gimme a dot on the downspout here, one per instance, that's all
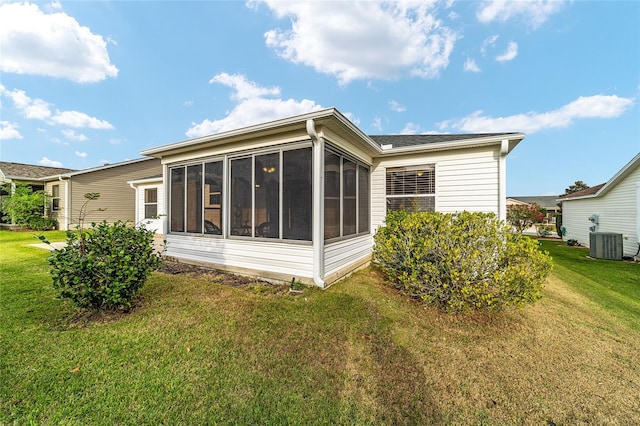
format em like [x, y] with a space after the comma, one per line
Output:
[502, 180]
[67, 207]
[318, 204]
[137, 207]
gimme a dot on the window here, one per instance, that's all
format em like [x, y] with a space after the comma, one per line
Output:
[271, 195]
[297, 190]
[55, 198]
[196, 198]
[411, 188]
[346, 196]
[151, 203]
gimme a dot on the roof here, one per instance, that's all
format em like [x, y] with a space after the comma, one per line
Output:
[335, 121]
[108, 166]
[28, 171]
[398, 141]
[600, 190]
[546, 201]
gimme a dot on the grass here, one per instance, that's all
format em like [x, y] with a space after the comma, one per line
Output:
[197, 352]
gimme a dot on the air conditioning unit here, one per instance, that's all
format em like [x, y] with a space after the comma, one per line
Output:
[605, 245]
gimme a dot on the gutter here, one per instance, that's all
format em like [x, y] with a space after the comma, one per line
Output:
[318, 212]
[67, 199]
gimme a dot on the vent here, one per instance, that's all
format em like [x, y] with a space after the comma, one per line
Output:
[605, 245]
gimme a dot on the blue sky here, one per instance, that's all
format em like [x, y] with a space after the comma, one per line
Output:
[84, 83]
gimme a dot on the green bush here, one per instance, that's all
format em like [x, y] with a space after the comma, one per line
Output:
[103, 268]
[25, 207]
[460, 262]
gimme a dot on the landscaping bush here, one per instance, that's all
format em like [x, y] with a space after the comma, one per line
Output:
[460, 262]
[25, 207]
[103, 268]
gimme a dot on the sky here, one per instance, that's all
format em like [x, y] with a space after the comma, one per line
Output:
[83, 83]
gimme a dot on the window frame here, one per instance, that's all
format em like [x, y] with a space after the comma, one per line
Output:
[359, 164]
[147, 203]
[55, 198]
[426, 167]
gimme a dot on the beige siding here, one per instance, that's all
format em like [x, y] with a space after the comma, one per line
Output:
[617, 212]
[276, 260]
[60, 214]
[466, 179]
[117, 199]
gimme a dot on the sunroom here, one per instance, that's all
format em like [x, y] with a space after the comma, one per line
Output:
[284, 200]
[300, 198]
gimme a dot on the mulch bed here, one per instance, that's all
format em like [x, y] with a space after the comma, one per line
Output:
[219, 277]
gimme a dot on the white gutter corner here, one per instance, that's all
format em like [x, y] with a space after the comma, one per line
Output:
[318, 211]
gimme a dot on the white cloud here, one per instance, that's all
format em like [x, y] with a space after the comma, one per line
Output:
[30, 108]
[488, 42]
[598, 106]
[243, 88]
[116, 141]
[410, 129]
[71, 134]
[187, 103]
[377, 124]
[81, 154]
[51, 44]
[471, 66]
[50, 163]
[79, 119]
[41, 110]
[533, 12]
[9, 131]
[253, 107]
[363, 40]
[396, 106]
[510, 53]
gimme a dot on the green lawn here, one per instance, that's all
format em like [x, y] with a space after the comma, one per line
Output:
[197, 352]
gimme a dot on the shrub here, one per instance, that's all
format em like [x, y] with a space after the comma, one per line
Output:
[103, 268]
[572, 242]
[460, 262]
[544, 230]
[523, 216]
[25, 207]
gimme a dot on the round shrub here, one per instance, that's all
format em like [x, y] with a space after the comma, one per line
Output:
[460, 262]
[103, 268]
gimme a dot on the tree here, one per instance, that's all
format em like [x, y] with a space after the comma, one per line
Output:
[577, 186]
[25, 207]
[522, 216]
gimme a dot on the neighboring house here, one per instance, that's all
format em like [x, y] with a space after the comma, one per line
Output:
[547, 202]
[67, 189]
[117, 198]
[612, 207]
[34, 176]
[300, 198]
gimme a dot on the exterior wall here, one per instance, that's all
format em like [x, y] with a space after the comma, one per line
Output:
[275, 260]
[156, 225]
[60, 214]
[617, 211]
[466, 179]
[117, 198]
[343, 257]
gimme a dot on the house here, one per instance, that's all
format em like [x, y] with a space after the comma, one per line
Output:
[610, 207]
[68, 187]
[547, 202]
[300, 197]
[117, 197]
[32, 175]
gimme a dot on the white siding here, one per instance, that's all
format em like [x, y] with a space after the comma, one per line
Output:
[276, 260]
[466, 179]
[155, 225]
[341, 255]
[617, 211]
